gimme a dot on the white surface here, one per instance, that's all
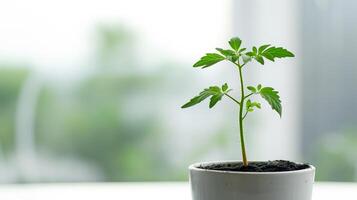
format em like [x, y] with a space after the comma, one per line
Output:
[140, 191]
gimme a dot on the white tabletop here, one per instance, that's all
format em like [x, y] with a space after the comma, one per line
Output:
[140, 191]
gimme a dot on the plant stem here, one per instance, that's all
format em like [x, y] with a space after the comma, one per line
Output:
[245, 115]
[248, 95]
[245, 161]
[235, 100]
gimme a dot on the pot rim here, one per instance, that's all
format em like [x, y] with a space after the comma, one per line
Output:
[194, 167]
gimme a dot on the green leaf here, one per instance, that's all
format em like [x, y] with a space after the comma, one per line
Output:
[269, 52]
[259, 87]
[251, 54]
[196, 100]
[259, 59]
[224, 87]
[262, 48]
[216, 93]
[276, 52]
[252, 89]
[255, 51]
[232, 58]
[214, 99]
[272, 97]
[250, 105]
[241, 50]
[235, 43]
[226, 52]
[255, 104]
[208, 60]
[229, 54]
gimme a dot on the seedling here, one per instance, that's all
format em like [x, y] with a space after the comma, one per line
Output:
[240, 57]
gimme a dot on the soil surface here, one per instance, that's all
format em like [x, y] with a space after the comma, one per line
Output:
[269, 166]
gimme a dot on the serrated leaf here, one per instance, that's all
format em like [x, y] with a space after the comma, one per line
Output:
[263, 47]
[235, 43]
[214, 99]
[226, 52]
[252, 89]
[208, 60]
[272, 97]
[276, 52]
[195, 100]
[250, 105]
[269, 56]
[215, 92]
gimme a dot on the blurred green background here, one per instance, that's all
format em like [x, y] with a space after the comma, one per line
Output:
[91, 91]
[109, 125]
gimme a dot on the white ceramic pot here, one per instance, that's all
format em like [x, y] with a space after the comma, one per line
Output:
[230, 185]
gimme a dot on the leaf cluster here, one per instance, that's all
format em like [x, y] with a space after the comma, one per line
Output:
[269, 52]
[240, 56]
[236, 53]
[267, 93]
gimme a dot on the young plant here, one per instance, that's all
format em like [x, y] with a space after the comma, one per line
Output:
[240, 57]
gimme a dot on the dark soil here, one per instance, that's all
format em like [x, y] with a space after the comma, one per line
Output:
[269, 166]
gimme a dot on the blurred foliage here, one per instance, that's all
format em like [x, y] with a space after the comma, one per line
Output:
[112, 118]
[95, 124]
[11, 79]
[335, 157]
